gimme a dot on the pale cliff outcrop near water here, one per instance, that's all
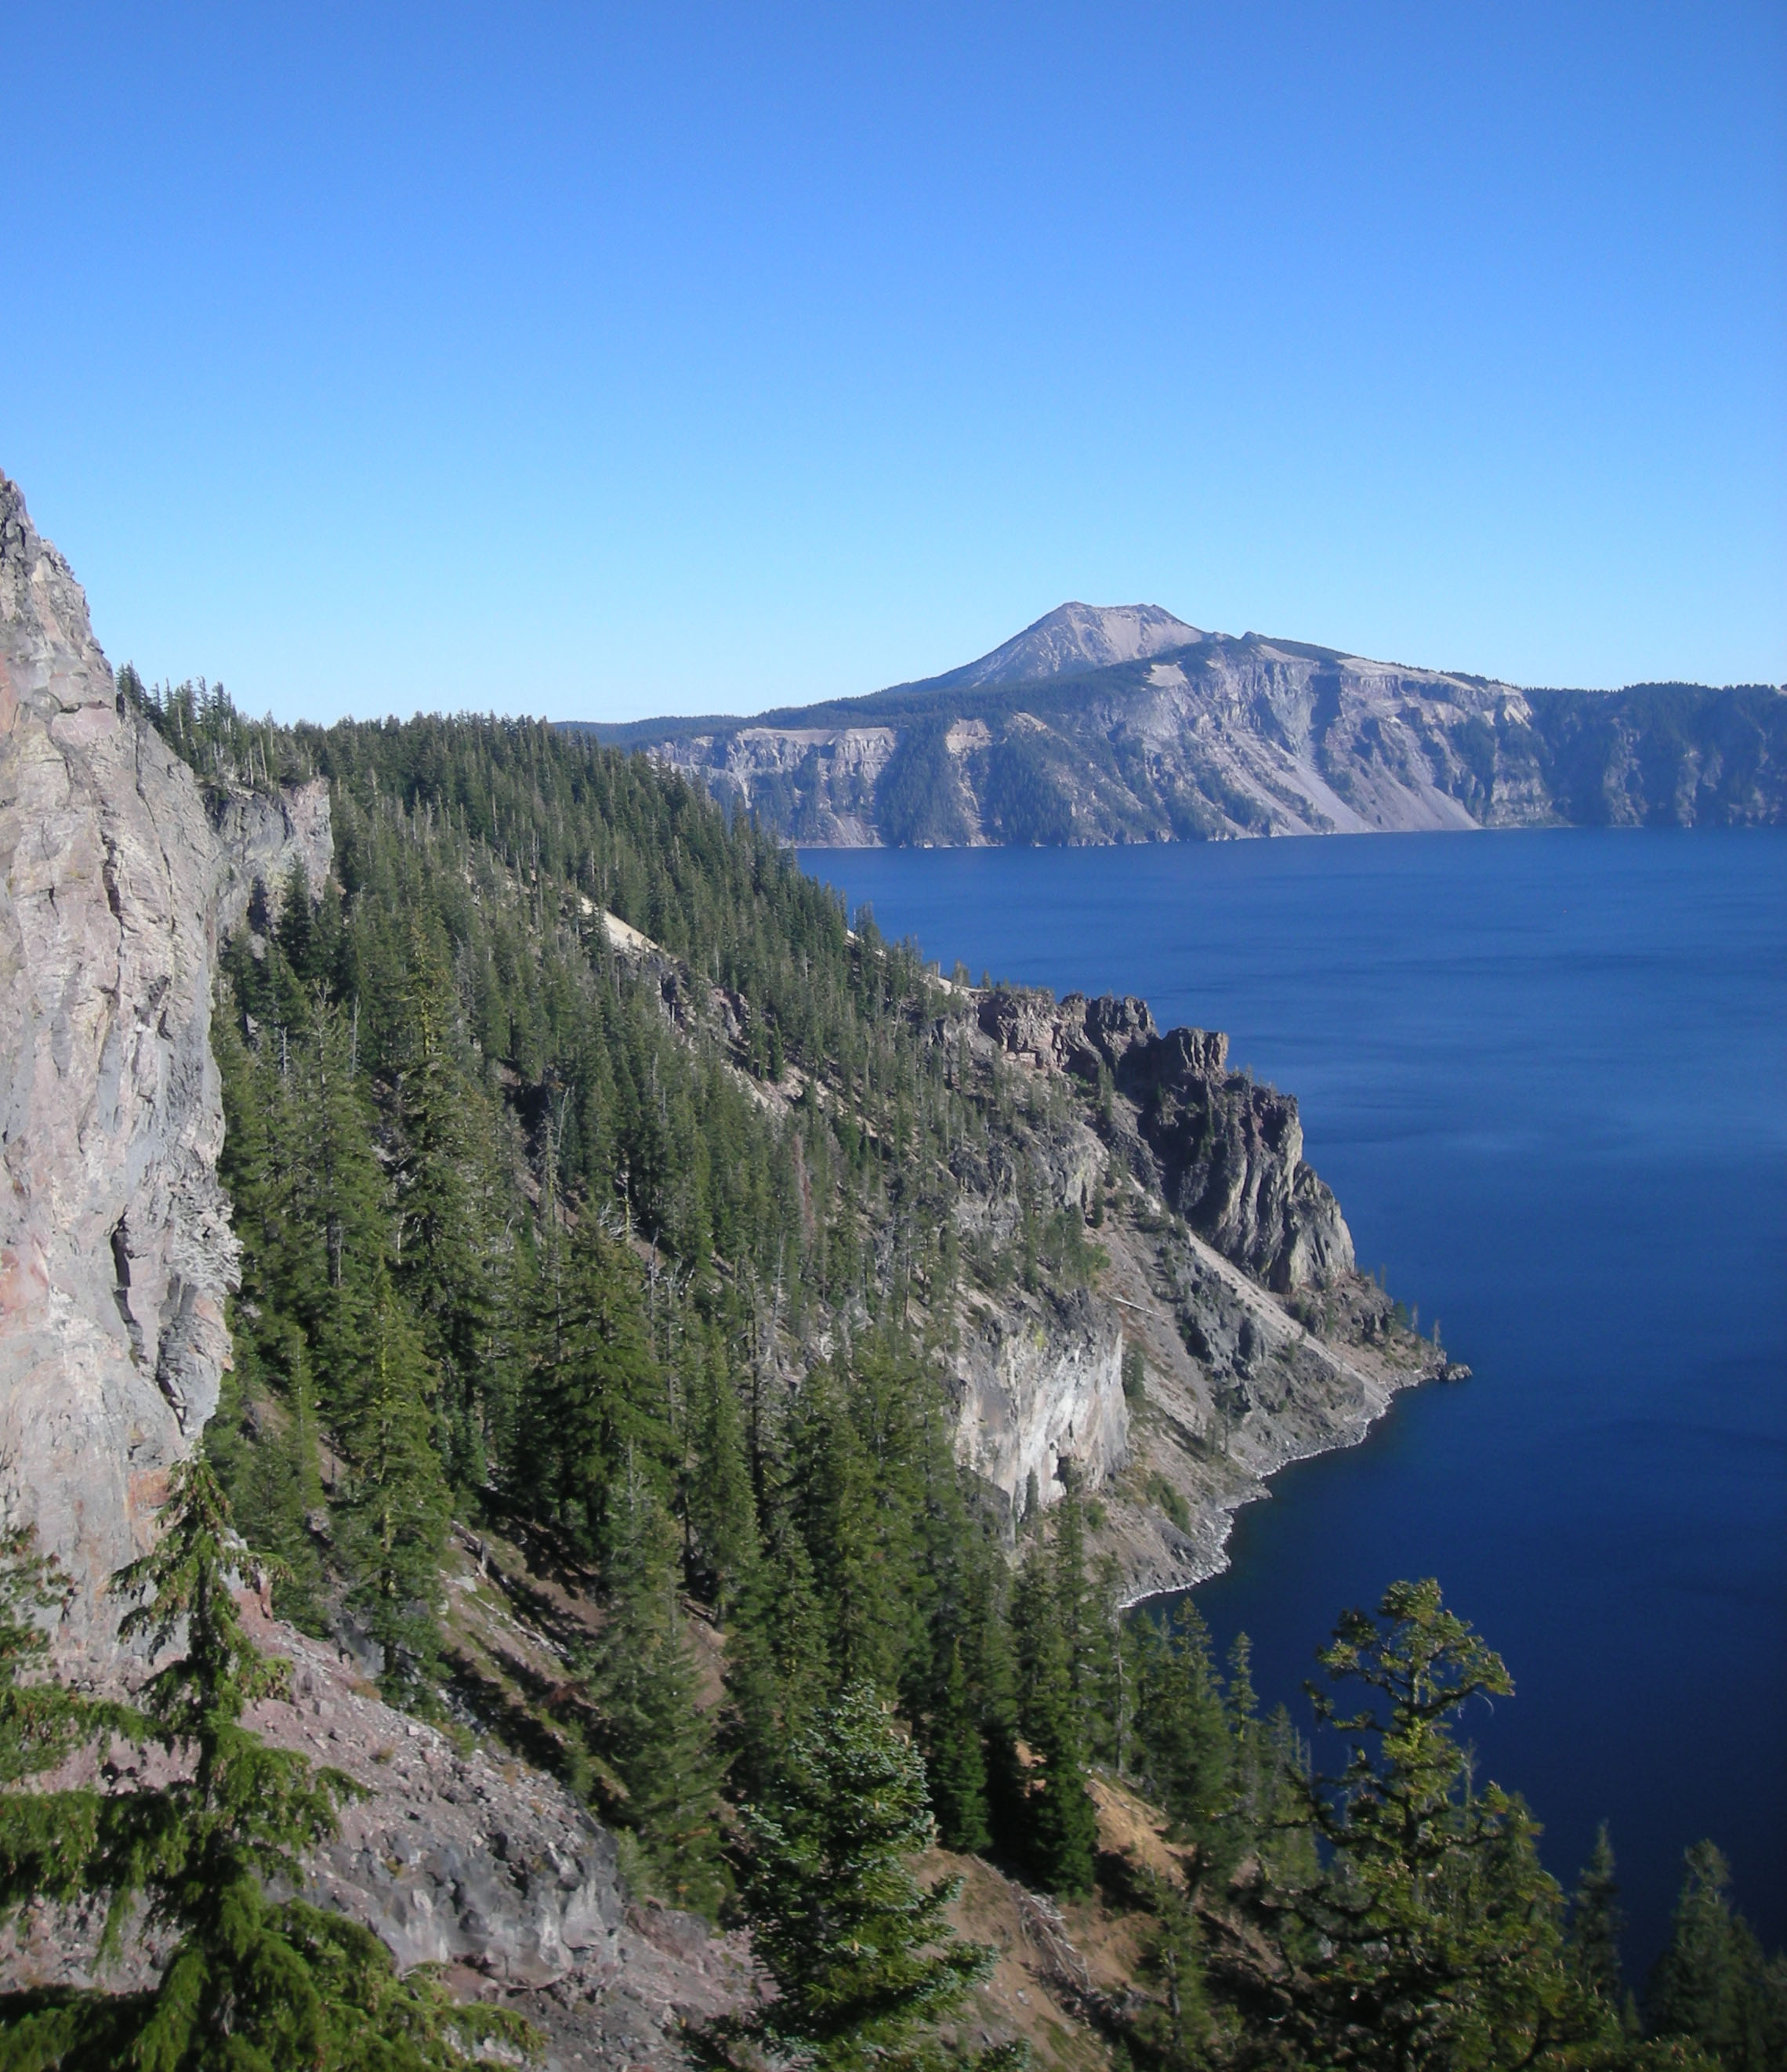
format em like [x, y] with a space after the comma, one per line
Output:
[115, 1247]
[1228, 1150]
[1226, 1266]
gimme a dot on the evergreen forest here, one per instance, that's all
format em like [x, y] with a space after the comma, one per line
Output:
[639, 1258]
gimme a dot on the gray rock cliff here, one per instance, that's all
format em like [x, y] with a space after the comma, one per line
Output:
[257, 839]
[1124, 725]
[1223, 1267]
[115, 1247]
[1039, 1392]
[1225, 1151]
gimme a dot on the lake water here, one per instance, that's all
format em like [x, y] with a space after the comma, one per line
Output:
[1544, 1073]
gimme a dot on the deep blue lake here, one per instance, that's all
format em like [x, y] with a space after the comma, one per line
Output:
[1546, 1074]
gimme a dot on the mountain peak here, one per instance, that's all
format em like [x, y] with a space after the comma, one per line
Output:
[1076, 636]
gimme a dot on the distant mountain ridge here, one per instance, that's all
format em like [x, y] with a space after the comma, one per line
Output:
[1101, 724]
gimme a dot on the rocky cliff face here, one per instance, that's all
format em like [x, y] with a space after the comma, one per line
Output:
[1224, 1151]
[1138, 728]
[115, 1247]
[1226, 1266]
[256, 838]
[1040, 1395]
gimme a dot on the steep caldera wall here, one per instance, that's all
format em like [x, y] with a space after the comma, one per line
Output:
[1224, 1280]
[115, 1246]
[1222, 738]
[1202, 1323]
[1220, 1256]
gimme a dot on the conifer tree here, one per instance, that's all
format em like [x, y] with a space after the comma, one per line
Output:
[334, 1233]
[865, 1963]
[396, 1508]
[263, 1442]
[1111, 1698]
[440, 1265]
[1183, 1736]
[1596, 1924]
[779, 1670]
[1176, 2030]
[1062, 1821]
[46, 1838]
[598, 1398]
[652, 1734]
[1440, 1935]
[855, 1488]
[1711, 1985]
[251, 1983]
[1280, 1833]
[956, 1763]
[720, 1511]
[1077, 1613]
[1253, 1796]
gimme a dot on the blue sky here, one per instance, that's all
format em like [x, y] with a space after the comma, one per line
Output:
[596, 363]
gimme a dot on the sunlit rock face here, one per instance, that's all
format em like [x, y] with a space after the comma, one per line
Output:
[1040, 1399]
[1225, 1149]
[115, 1247]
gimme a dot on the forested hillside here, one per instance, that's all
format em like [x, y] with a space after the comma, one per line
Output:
[610, 1209]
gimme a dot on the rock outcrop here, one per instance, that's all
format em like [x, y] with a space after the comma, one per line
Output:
[115, 1247]
[257, 836]
[1223, 1269]
[1230, 1154]
[1040, 1397]
[1225, 1151]
[455, 1857]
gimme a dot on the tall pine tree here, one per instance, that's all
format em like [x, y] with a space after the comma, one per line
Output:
[651, 1733]
[864, 1960]
[250, 1982]
[396, 1507]
[1062, 1823]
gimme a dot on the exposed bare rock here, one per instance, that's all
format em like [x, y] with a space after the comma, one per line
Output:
[1039, 1394]
[1226, 1266]
[1230, 1152]
[1241, 1230]
[458, 1857]
[257, 839]
[1227, 1151]
[1236, 1387]
[1113, 1027]
[762, 769]
[115, 1246]
[115, 1249]
[1076, 637]
[1124, 725]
